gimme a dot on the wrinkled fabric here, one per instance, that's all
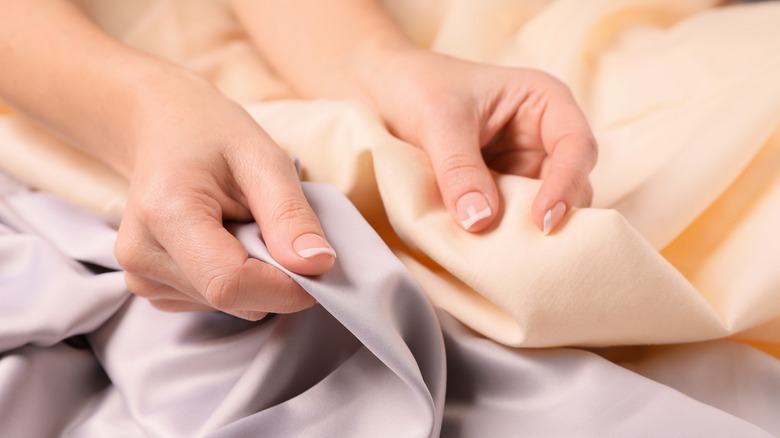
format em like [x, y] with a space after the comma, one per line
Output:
[683, 97]
[372, 359]
[681, 246]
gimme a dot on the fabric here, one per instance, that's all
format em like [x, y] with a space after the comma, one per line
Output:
[681, 248]
[683, 98]
[373, 359]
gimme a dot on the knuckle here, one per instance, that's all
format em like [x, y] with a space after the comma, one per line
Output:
[293, 210]
[288, 296]
[568, 141]
[166, 203]
[138, 287]
[157, 213]
[553, 82]
[221, 290]
[130, 252]
[148, 205]
[536, 76]
[457, 170]
[292, 298]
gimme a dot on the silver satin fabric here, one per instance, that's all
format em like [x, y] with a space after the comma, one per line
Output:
[81, 357]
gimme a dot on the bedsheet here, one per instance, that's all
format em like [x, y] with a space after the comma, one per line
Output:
[680, 248]
[80, 357]
[681, 244]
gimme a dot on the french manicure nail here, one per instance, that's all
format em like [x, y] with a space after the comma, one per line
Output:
[472, 208]
[310, 245]
[553, 217]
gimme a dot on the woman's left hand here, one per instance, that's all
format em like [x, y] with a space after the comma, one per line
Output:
[469, 117]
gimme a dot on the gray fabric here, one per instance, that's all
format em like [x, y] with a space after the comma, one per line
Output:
[81, 357]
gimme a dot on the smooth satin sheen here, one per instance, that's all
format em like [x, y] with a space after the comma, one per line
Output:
[373, 359]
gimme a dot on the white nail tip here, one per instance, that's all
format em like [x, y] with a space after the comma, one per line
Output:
[547, 220]
[475, 217]
[311, 252]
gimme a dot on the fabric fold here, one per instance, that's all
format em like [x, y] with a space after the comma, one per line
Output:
[683, 101]
[371, 360]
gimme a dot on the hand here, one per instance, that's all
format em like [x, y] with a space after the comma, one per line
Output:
[469, 117]
[199, 159]
[466, 116]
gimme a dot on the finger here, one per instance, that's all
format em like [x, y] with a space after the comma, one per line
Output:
[572, 151]
[217, 265]
[141, 256]
[289, 227]
[506, 158]
[465, 183]
[168, 299]
[172, 305]
[565, 178]
[151, 289]
[249, 315]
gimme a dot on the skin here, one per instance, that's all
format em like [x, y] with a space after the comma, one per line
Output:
[195, 159]
[468, 117]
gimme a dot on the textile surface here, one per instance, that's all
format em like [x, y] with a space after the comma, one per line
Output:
[81, 357]
[680, 246]
[683, 98]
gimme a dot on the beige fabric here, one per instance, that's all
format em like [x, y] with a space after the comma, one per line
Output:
[682, 242]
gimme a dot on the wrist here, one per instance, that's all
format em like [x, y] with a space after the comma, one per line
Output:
[140, 89]
[386, 75]
[377, 70]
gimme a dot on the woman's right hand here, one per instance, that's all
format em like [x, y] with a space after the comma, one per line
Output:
[193, 157]
[196, 159]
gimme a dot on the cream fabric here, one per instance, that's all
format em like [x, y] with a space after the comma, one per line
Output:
[683, 97]
[373, 359]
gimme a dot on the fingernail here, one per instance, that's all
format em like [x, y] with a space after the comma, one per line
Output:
[311, 245]
[472, 208]
[553, 217]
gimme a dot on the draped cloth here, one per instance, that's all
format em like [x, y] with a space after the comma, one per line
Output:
[81, 357]
[681, 244]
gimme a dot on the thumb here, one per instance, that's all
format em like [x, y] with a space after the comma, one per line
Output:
[289, 227]
[465, 183]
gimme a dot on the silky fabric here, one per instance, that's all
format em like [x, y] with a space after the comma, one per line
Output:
[372, 359]
[683, 98]
[681, 245]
